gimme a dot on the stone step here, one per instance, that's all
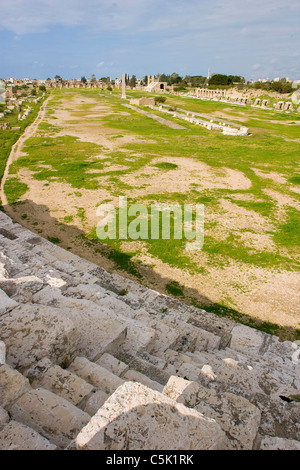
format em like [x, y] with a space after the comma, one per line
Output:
[95, 375]
[12, 385]
[198, 338]
[62, 382]
[51, 416]
[32, 332]
[271, 373]
[137, 376]
[112, 364]
[99, 331]
[220, 375]
[166, 336]
[94, 402]
[141, 365]
[238, 418]
[17, 436]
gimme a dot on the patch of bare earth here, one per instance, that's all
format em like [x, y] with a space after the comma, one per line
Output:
[189, 174]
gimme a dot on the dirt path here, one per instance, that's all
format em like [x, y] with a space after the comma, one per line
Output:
[16, 149]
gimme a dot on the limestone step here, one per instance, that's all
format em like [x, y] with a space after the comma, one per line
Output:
[141, 297]
[137, 376]
[278, 443]
[6, 303]
[277, 370]
[98, 330]
[17, 436]
[96, 375]
[12, 385]
[166, 336]
[238, 418]
[94, 402]
[32, 332]
[197, 337]
[111, 363]
[222, 376]
[44, 374]
[142, 365]
[50, 415]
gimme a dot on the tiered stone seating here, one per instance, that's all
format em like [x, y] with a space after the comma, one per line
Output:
[84, 367]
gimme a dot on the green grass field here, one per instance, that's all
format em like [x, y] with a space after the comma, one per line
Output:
[261, 229]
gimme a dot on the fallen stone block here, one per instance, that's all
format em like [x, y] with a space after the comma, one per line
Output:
[138, 418]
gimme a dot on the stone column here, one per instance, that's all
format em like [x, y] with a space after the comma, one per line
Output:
[123, 87]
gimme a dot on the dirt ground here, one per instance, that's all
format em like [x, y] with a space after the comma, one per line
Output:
[260, 293]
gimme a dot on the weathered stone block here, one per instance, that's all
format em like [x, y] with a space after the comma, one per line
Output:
[112, 364]
[138, 418]
[96, 375]
[17, 436]
[32, 332]
[247, 339]
[6, 303]
[50, 415]
[59, 381]
[238, 418]
[2, 352]
[12, 385]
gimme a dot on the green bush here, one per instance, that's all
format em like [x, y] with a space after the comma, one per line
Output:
[159, 99]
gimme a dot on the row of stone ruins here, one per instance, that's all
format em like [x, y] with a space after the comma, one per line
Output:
[92, 360]
[221, 95]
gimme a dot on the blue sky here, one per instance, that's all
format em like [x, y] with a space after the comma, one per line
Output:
[72, 38]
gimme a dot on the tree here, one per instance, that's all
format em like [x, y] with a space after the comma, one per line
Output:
[93, 78]
[174, 78]
[105, 80]
[42, 88]
[132, 81]
[83, 80]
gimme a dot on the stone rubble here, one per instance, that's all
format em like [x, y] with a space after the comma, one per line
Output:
[82, 367]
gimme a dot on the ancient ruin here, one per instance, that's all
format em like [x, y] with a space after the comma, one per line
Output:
[91, 360]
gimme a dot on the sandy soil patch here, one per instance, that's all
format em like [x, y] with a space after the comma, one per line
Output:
[282, 199]
[190, 174]
[230, 117]
[273, 175]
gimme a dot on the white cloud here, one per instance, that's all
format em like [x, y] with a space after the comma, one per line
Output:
[100, 64]
[165, 16]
